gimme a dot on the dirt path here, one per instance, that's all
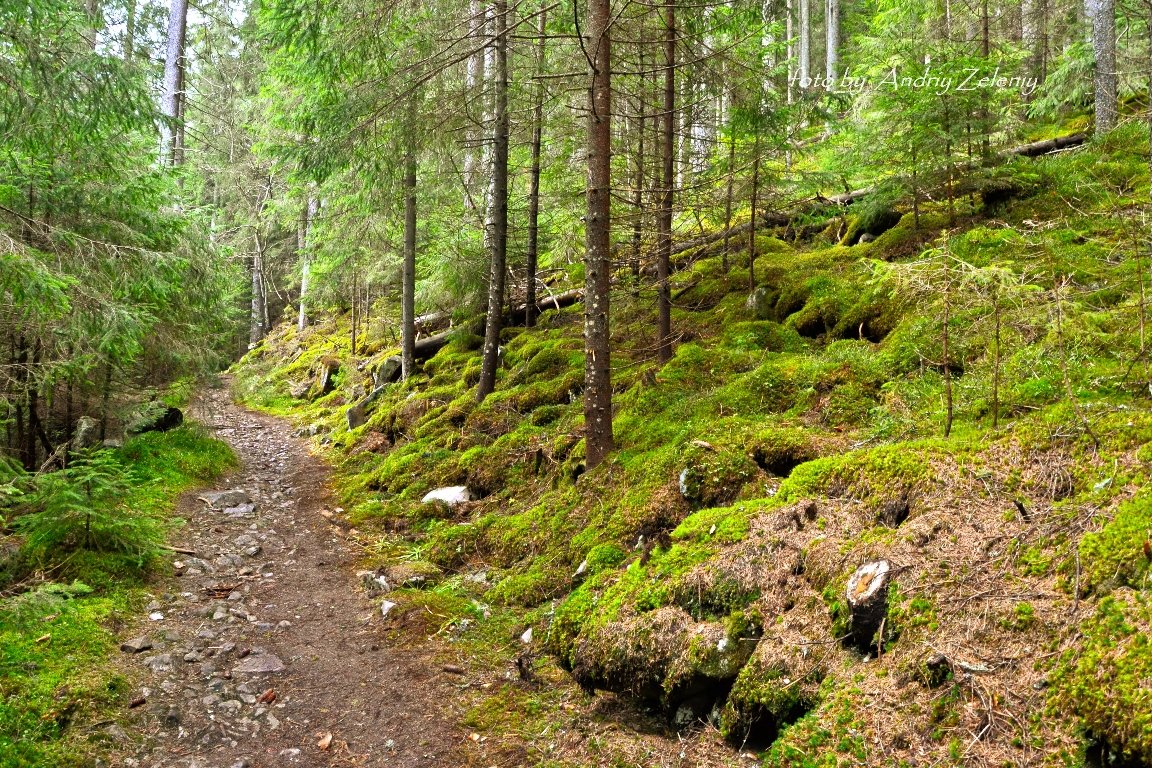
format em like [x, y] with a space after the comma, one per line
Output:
[272, 587]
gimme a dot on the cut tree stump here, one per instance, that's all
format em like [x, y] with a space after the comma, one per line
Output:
[868, 602]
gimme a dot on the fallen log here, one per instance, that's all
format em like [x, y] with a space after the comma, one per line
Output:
[1037, 148]
[555, 301]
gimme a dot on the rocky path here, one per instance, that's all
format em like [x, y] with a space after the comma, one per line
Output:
[262, 652]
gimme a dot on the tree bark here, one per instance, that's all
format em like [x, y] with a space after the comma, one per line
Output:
[867, 597]
[752, 222]
[805, 43]
[129, 44]
[498, 238]
[532, 256]
[408, 267]
[1102, 14]
[664, 219]
[832, 38]
[639, 177]
[256, 327]
[170, 103]
[599, 441]
[305, 259]
[96, 17]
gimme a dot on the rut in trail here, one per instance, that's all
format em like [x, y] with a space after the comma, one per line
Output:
[272, 587]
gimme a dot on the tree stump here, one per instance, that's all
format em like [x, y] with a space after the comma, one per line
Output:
[868, 602]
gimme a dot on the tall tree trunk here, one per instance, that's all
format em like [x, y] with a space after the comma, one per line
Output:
[408, 268]
[305, 257]
[474, 80]
[1102, 14]
[752, 223]
[170, 106]
[724, 258]
[639, 178]
[805, 42]
[832, 38]
[597, 255]
[355, 306]
[129, 44]
[664, 220]
[256, 316]
[498, 239]
[96, 18]
[532, 255]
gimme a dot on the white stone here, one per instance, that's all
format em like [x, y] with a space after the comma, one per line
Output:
[450, 495]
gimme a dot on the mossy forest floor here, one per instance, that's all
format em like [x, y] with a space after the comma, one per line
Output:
[696, 581]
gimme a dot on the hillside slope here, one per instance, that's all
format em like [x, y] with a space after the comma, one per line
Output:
[796, 435]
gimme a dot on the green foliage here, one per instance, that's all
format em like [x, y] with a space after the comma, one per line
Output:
[79, 508]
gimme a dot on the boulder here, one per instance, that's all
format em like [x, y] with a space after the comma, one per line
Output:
[225, 499]
[761, 304]
[326, 381]
[388, 371]
[357, 414]
[451, 496]
[156, 417]
[259, 665]
[87, 433]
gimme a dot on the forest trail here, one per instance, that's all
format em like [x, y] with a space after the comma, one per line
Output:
[273, 585]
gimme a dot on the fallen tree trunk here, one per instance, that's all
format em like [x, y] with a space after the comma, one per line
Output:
[556, 301]
[1037, 148]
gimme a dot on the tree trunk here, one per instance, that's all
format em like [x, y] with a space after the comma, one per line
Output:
[867, 597]
[473, 79]
[96, 18]
[725, 263]
[752, 223]
[256, 323]
[597, 360]
[490, 357]
[664, 220]
[170, 103]
[1102, 14]
[832, 38]
[408, 268]
[805, 43]
[639, 178]
[305, 259]
[129, 44]
[532, 256]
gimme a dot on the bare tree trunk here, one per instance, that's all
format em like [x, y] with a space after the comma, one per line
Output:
[752, 227]
[408, 269]
[256, 323]
[805, 42]
[96, 17]
[1102, 14]
[832, 38]
[532, 255]
[129, 43]
[490, 357]
[305, 259]
[473, 79]
[170, 104]
[355, 305]
[599, 441]
[639, 179]
[664, 220]
[728, 197]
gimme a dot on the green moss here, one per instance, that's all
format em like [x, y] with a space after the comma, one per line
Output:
[1105, 680]
[1116, 555]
